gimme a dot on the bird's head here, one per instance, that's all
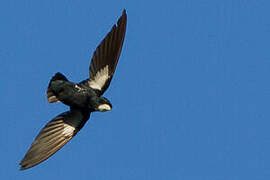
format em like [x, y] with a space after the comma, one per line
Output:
[103, 105]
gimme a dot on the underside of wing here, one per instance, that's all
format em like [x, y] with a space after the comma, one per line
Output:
[54, 136]
[106, 56]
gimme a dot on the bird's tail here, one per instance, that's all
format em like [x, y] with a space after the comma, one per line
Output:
[51, 97]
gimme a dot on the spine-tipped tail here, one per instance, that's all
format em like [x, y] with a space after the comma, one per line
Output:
[51, 97]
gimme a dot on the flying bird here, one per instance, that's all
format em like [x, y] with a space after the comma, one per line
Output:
[83, 98]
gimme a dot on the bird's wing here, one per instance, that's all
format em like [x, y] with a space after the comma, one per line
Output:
[105, 57]
[54, 136]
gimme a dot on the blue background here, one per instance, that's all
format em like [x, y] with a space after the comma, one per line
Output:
[190, 94]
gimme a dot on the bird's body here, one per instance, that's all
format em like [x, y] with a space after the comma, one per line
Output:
[73, 94]
[83, 98]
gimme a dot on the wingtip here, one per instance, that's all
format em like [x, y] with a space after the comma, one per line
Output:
[123, 18]
[124, 14]
[22, 167]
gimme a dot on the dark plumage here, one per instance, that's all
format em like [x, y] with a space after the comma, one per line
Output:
[82, 98]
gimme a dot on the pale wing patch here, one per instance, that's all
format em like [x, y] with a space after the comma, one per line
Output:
[68, 130]
[100, 78]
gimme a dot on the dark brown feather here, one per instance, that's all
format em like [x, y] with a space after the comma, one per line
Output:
[52, 137]
[108, 52]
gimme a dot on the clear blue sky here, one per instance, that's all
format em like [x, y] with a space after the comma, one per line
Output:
[190, 94]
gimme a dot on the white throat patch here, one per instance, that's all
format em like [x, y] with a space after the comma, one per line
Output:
[100, 78]
[104, 107]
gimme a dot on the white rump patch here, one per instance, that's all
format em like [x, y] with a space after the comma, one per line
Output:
[104, 107]
[100, 78]
[68, 130]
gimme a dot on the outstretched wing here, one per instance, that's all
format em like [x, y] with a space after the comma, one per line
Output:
[54, 136]
[105, 57]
